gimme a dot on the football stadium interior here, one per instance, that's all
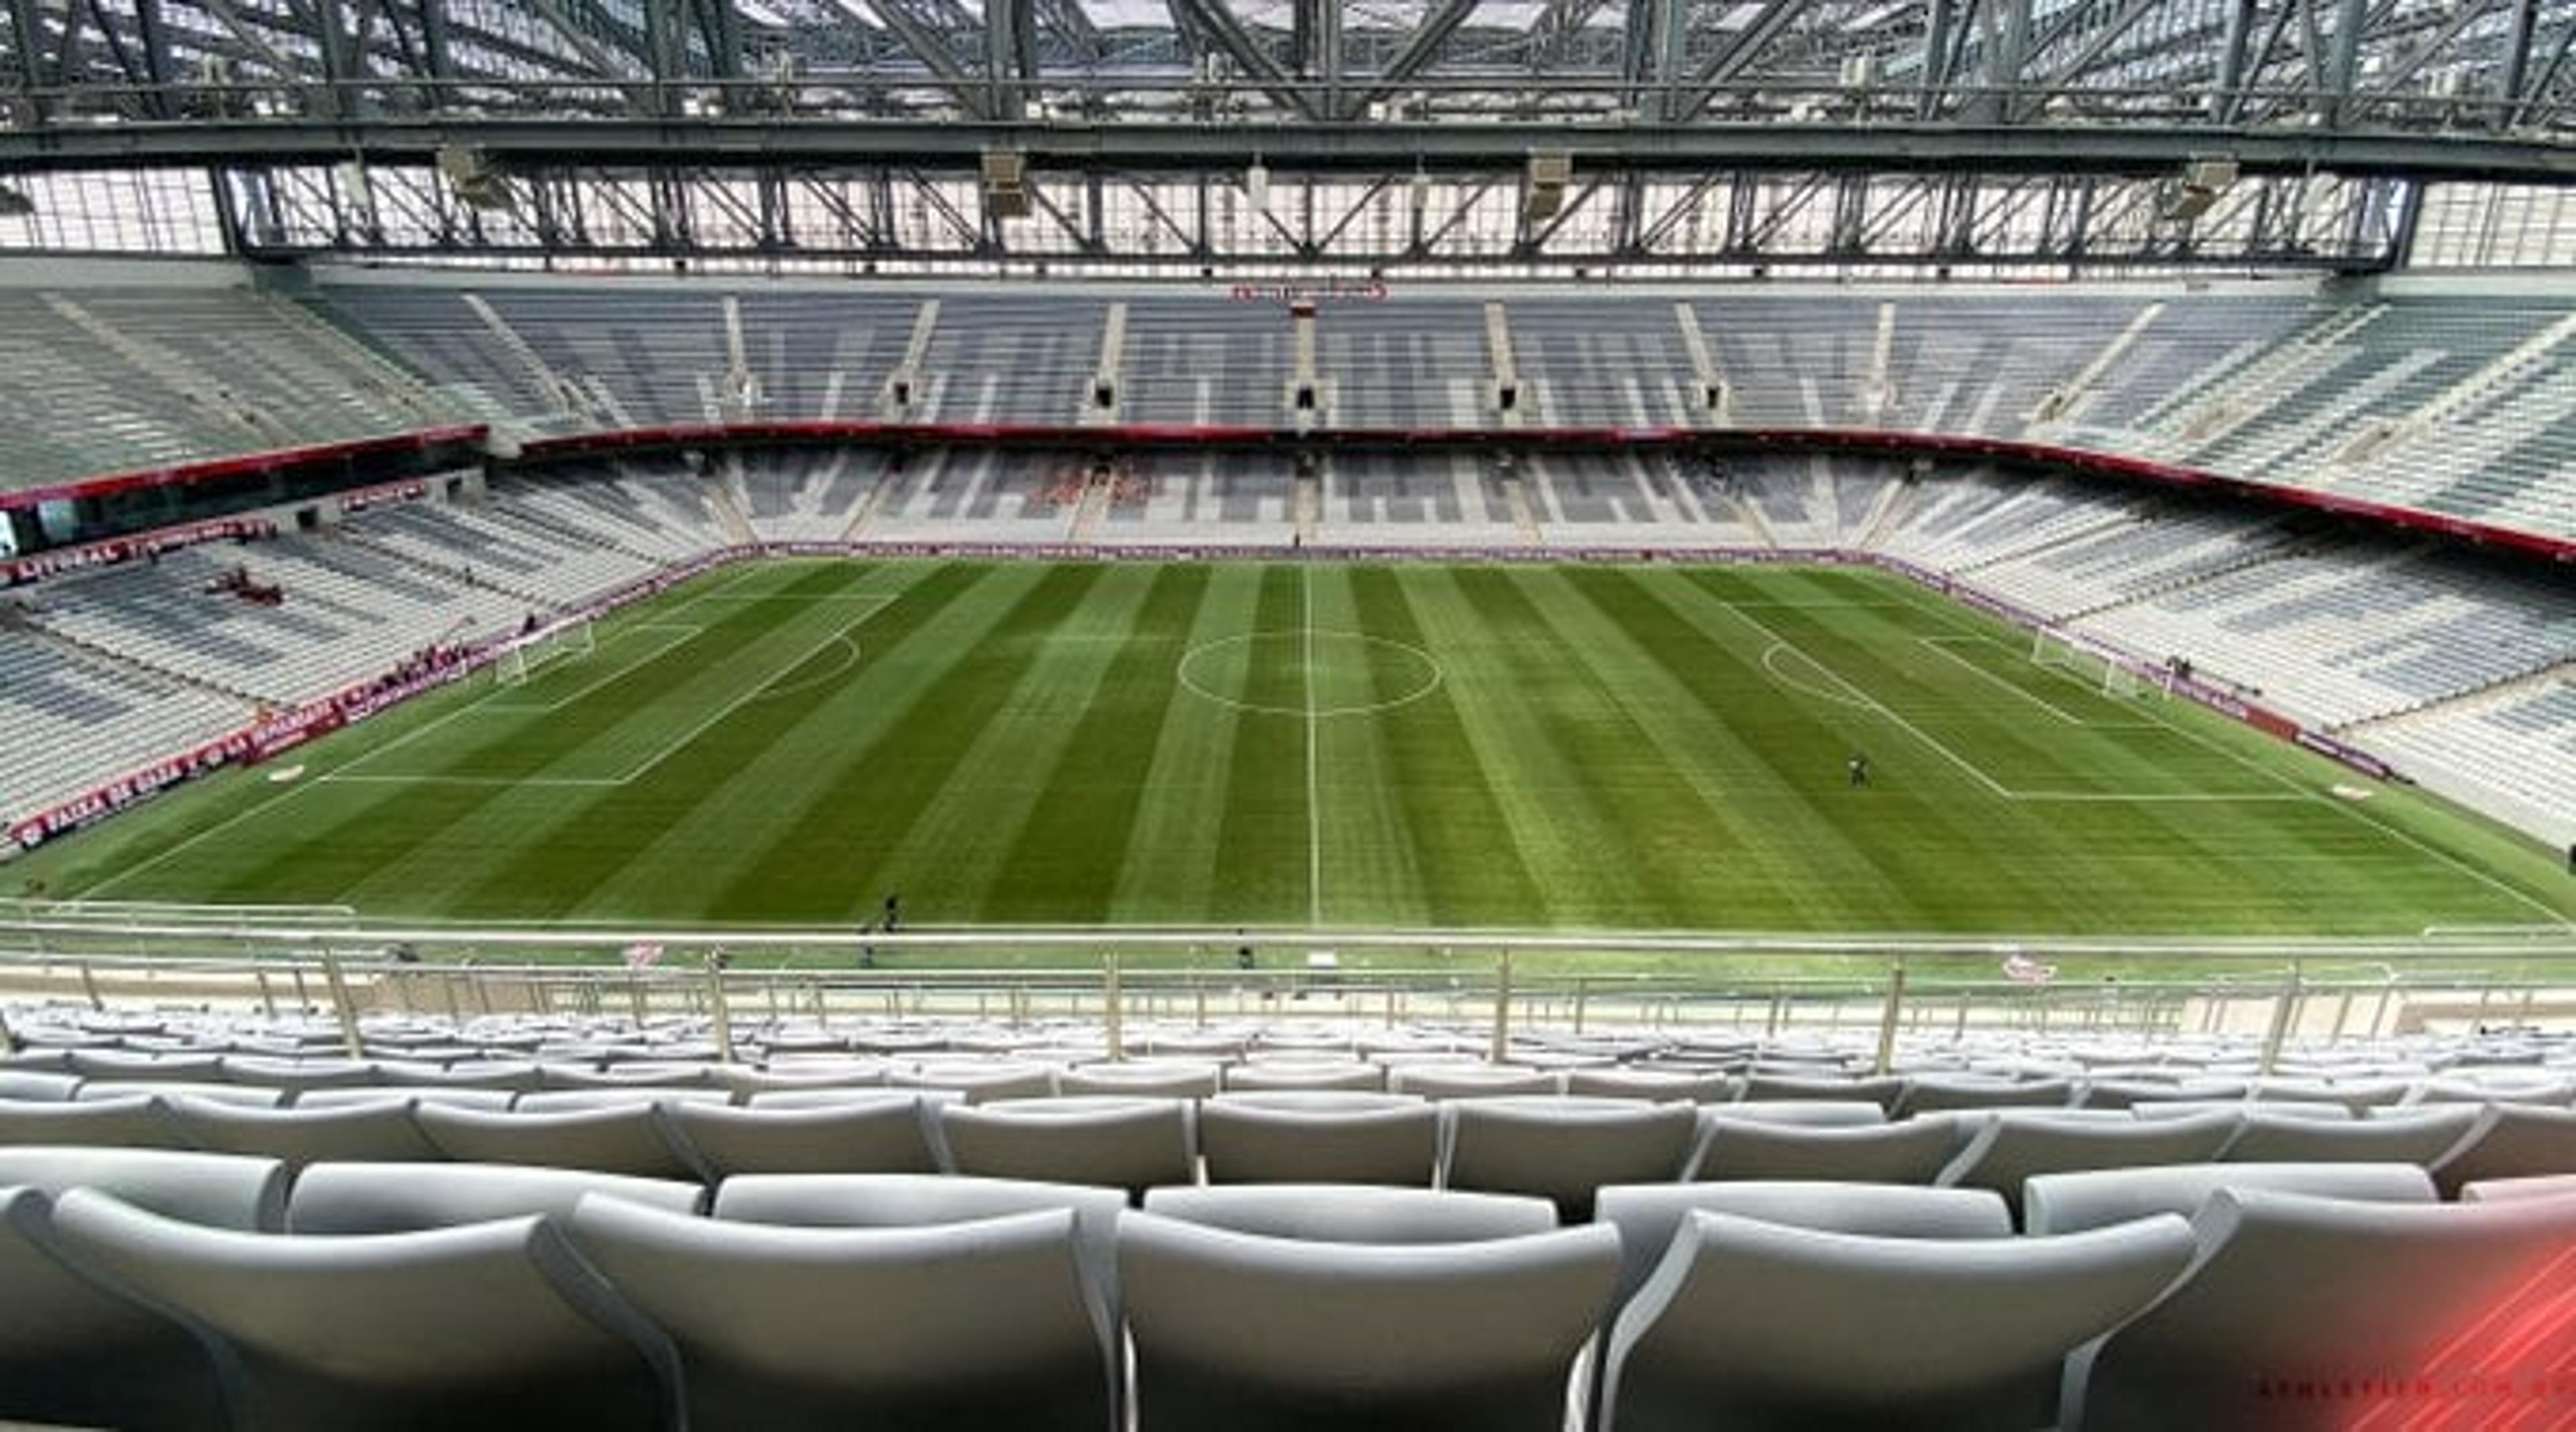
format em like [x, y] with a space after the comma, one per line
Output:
[1140, 715]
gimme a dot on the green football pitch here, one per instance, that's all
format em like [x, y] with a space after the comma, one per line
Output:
[1577, 747]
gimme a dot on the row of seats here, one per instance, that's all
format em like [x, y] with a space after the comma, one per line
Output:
[1559, 1148]
[152, 1290]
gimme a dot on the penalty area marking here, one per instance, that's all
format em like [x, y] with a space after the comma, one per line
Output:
[625, 667]
[1853, 696]
[1942, 644]
[768, 689]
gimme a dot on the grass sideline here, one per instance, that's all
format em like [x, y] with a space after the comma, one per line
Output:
[1589, 747]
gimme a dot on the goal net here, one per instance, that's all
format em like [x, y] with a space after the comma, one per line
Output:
[2081, 660]
[525, 659]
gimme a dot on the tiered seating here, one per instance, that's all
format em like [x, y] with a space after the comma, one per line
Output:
[654, 354]
[249, 348]
[1013, 360]
[824, 352]
[2336, 636]
[1205, 360]
[437, 333]
[510, 556]
[961, 495]
[1388, 499]
[68, 725]
[99, 412]
[1180, 498]
[2516, 753]
[1590, 364]
[651, 510]
[1406, 363]
[2157, 549]
[1519, 1230]
[810, 495]
[1967, 525]
[1793, 361]
[1584, 497]
[1985, 365]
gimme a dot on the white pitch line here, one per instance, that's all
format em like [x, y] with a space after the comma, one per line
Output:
[1314, 784]
[2034, 698]
[2349, 808]
[615, 674]
[1871, 703]
[750, 694]
[291, 791]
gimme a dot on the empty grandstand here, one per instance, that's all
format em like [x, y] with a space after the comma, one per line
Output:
[1423, 715]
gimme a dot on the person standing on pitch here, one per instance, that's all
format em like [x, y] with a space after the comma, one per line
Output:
[1858, 766]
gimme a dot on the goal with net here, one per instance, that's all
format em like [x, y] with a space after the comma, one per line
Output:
[2088, 663]
[530, 655]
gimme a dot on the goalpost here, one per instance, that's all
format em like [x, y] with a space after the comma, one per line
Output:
[555, 644]
[2080, 658]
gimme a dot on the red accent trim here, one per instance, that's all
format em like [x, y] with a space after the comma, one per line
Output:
[241, 463]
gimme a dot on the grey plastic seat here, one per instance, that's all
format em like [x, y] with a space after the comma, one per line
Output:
[406, 1095]
[2509, 1141]
[2013, 1146]
[214, 1189]
[1247, 1334]
[512, 1076]
[900, 1200]
[1156, 1078]
[2142, 1093]
[1909, 1152]
[1562, 1149]
[989, 1323]
[1120, 1142]
[36, 1086]
[1319, 1136]
[1633, 1083]
[2415, 1135]
[73, 1352]
[1762, 1325]
[1473, 1081]
[489, 1325]
[619, 1096]
[1880, 1089]
[1312, 1074]
[1648, 1215]
[980, 1082]
[654, 1074]
[1933, 1094]
[123, 1064]
[2497, 1190]
[2358, 1097]
[129, 1121]
[889, 1134]
[2288, 1290]
[2073, 1202]
[298, 1075]
[799, 1074]
[246, 1095]
[1809, 1113]
[381, 1132]
[634, 1140]
[1355, 1212]
[396, 1198]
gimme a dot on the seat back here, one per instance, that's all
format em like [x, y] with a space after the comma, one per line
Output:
[1247, 1333]
[1649, 1215]
[1563, 1149]
[1747, 1323]
[2433, 1314]
[2015, 1145]
[987, 1323]
[1355, 1213]
[1914, 1151]
[2073, 1202]
[1117, 1142]
[356, 1198]
[135, 1121]
[77, 1353]
[381, 1132]
[213, 1189]
[633, 1140]
[889, 1133]
[490, 1325]
[1250, 1139]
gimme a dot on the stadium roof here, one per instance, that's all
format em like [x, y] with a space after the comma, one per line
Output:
[2079, 116]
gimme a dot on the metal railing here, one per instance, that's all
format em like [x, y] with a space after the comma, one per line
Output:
[1483, 989]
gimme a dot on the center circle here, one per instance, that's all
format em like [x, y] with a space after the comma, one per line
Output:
[1219, 670]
